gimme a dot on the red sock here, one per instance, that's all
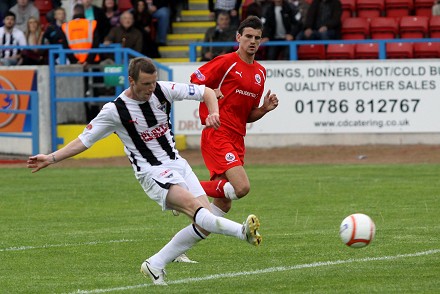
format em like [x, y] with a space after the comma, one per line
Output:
[214, 188]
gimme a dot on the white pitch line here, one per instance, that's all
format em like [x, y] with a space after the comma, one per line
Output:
[265, 271]
[21, 248]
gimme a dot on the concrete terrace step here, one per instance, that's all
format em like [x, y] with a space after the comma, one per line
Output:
[175, 51]
[192, 27]
[172, 60]
[195, 15]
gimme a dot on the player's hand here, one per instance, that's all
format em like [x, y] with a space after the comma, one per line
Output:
[270, 101]
[213, 120]
[38, 162]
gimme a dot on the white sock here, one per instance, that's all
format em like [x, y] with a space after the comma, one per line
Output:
[229, 191]
[217, 211]
[218, 225]
[180, 243]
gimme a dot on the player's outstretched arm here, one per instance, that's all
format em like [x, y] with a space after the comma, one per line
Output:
[270, 102]
[41, 161]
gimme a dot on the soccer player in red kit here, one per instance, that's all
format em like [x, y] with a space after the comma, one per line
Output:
[238, 81]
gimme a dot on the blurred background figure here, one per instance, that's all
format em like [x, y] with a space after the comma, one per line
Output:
[23, 10]
[323, 21]
[93, 12]
[256, 8]
[10, 36]
[34, 36]
[143, 20]
[111, 11]
[436, 8]
[222, 32]
[231, 6]
[280, 24]
[126, 33]
[301, 7]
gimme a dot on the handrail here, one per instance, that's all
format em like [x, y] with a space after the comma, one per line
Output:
[33, 112]
[293, 45]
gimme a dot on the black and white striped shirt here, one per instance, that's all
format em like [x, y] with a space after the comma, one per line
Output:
[143, 127]
[14, 38]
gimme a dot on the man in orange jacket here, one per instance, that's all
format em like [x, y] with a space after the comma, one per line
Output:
[81, 33]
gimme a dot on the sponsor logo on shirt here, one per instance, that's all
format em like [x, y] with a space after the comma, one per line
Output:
[149, 135]
[246, 93]
[258, 79]
[199, 75]
[230, 157]
[89, 127]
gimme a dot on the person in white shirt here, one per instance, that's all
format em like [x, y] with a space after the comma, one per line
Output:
[23, 10]
[140, 116]
[10, 36]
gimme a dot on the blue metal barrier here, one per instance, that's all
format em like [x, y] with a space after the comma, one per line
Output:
[121, 57]
[33, 112]
[293, 45]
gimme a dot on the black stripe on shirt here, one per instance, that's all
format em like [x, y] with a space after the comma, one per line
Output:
[127, 122]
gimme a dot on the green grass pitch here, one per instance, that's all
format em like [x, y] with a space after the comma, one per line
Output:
[87, 230]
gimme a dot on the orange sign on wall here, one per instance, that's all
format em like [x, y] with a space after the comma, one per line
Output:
[19, 80]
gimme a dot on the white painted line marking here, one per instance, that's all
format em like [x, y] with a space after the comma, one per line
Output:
[265, 271]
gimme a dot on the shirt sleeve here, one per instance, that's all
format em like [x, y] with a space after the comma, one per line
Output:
[101, 126]
[181, 91]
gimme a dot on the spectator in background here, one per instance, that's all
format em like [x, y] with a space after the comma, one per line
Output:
[280, 24]
[111, 11]
[34, 36]
[222, 32]
[160, 10]
[256, 8]
[126, 33]
[78, 34]
[54, 33]
[23, 10]
[93, 12]
[143, 21]
[11, 36]
[436, 8]
[323, 21]
[5, 5]
[231, 6]
[301, 7]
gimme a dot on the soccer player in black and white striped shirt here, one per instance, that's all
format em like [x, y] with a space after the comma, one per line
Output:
[140, 117]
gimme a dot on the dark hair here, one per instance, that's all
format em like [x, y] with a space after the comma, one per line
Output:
[115, 7]
[140, 64]
[10, 13]
[251, 21]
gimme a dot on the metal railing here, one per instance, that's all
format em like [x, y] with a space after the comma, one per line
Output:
[34, 135]
[293, 45]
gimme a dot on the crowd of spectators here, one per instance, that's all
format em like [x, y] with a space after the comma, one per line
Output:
[145, 26]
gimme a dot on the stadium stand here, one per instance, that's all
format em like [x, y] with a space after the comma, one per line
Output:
[124, 5]
[355, 28]
[307, 52]
[340, 51]
[398, 8]
[423, 7]
[427, 50]
[434, 26]
[384, 28]
[413, 27]
[366, 51]
[399, 50]
[369, 8]
[348, 9]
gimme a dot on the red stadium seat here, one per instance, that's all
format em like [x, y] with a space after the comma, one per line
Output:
[384, 28]
[434, 26]
[340, 51]
[423, 7]
[355, 28]
[44, 6]
[348, 9]
[366, 51]
[124, 5]
[398, 8]
[427, 50]
[399, 50]
[369, 8]
[307, 52]
[413, 27]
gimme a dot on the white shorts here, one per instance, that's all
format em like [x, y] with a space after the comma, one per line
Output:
[159, 179]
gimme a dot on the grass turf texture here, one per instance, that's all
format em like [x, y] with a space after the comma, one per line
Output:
[69, 229]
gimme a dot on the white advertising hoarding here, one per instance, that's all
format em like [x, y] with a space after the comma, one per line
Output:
[375, 96]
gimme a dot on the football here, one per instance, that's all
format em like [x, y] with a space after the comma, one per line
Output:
[357, 230]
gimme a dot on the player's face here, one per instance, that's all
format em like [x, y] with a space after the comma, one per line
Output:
[144, 87]
[250, 40]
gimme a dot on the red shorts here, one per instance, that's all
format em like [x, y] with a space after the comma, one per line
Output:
[221, 150]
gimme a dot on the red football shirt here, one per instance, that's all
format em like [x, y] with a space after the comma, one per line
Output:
[242, 85]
